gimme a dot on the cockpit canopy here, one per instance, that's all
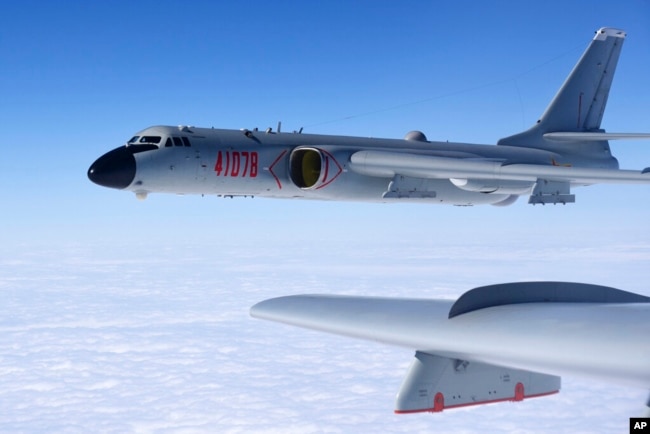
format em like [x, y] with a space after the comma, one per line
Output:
[156, 140]
[144, 140]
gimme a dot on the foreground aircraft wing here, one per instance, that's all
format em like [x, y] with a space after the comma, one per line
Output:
[498, 343]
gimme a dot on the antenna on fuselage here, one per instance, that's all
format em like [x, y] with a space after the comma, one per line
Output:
[279, 127]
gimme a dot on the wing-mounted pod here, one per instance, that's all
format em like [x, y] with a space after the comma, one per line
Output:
[312, 168]
[436, 383]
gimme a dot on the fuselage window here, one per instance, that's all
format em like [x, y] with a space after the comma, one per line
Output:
[186, 141]
[168, 143]
[177, 141]
[150, 139]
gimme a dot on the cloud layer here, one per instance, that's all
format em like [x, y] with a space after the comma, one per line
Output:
[142, 339]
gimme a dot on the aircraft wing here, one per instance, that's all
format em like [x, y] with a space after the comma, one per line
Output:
[504, 342]
[388, 164]
[548, 183]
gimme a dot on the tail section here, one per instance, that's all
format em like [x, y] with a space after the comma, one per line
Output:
[579, 105]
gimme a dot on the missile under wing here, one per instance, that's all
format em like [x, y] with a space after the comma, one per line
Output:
[566, 148]
[504, 342]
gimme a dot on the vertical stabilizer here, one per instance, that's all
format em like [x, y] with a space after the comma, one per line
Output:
[580, 103]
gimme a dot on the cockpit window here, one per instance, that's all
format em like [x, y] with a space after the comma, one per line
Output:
[177, 141]
[158, 140]
[150, 139]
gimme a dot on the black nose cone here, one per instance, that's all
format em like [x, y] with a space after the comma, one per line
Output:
[115, 169]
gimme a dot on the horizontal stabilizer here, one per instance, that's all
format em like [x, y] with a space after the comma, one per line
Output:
[586, 136]
[436, 383]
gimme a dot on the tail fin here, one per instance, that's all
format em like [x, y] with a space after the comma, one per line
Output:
[579, 105]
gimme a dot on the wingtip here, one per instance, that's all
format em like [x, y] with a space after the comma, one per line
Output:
[272, 307]
[257, 310]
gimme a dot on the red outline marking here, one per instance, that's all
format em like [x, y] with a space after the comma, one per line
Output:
[431, 410]
[328, 155]
[273, 164]
[327, 168]
[556, 164]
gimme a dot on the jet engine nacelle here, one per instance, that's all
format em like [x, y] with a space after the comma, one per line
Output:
[498, 186]
[312, 168]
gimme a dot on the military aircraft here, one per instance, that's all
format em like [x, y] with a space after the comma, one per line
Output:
[564, 149]
[505, 342]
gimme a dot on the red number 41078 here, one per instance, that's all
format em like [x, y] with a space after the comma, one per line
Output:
[236, 164]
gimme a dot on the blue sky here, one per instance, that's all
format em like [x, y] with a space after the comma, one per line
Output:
[79, 78]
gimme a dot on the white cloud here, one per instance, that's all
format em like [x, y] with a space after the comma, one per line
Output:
[153, 339]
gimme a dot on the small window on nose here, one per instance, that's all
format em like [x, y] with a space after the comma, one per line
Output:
[150, 139]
